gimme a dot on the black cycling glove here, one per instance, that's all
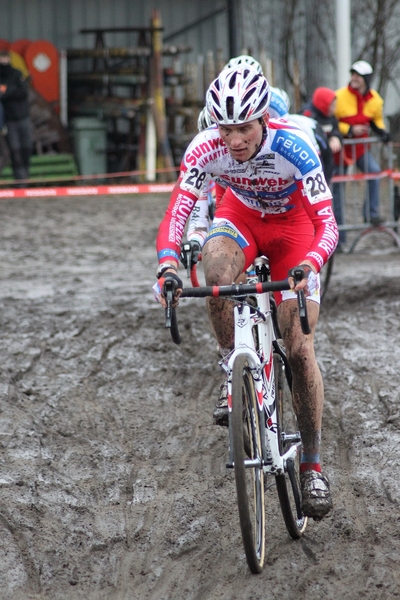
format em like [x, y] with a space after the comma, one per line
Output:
[178, 281]
[305, 268]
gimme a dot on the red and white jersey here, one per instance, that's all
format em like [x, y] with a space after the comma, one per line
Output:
[283, 178]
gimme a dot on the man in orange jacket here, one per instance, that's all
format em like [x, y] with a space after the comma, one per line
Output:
[359, 110]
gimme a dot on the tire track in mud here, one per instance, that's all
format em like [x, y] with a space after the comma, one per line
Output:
[358, 352]
[113, 477]
[30, 567]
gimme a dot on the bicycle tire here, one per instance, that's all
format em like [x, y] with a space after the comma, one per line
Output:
[249, 480]
[288, 484]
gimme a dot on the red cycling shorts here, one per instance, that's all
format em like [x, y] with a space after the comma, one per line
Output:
[285, 238]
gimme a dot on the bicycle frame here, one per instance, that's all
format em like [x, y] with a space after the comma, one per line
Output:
[262, 371]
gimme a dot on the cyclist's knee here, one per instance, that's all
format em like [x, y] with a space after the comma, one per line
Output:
[223, 261]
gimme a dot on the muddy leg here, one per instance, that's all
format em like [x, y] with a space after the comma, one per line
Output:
[308, 389]
[223, 261]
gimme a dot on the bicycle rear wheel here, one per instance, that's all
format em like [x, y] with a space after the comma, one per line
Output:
[288, 484]
[244, 423]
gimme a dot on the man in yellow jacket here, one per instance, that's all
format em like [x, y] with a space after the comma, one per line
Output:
[359, 110]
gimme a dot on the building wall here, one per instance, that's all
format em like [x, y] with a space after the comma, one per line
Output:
[262, 29]
[60, 21]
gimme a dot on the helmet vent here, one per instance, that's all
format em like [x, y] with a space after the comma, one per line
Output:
[215, 97]
[264, 103]
[230, 104]
[247, 96]
[232, 81]
[242, 116]
[218, 116]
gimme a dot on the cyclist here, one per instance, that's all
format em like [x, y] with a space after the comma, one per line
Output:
[203, 212]
[276, 203]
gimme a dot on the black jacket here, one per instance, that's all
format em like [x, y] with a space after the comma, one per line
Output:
[327, 126]
[15, 98]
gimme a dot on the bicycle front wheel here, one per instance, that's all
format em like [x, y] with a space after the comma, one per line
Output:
[246, 444]
[288, 484]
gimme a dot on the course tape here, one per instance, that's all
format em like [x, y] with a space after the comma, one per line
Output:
[148, 188]
[365, 176]
[87, 190]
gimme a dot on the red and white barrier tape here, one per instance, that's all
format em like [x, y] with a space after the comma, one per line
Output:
[148, 188]
[87, 190]
[364, 176]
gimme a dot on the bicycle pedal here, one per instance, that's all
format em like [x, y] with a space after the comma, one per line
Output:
[291, 437]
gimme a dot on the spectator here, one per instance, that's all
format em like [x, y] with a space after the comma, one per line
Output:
[359, 109]
[4, 153]
[321, 109]
[14, 98]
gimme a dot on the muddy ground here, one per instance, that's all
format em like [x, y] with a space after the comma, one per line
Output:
[113, 482]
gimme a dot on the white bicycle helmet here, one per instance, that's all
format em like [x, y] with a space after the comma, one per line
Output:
[244, 60]
[237, 96]
[362, 68]
[204, 119]
[280, 103]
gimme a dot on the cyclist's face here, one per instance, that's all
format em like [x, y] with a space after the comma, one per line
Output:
[242, 140]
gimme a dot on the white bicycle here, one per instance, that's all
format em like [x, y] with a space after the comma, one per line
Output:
[264, 441]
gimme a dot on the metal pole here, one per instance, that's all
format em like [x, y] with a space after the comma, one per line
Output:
[343, 41]
[63, 89]
[233, 28]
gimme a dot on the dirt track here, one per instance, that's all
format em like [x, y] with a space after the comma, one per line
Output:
[113, 482]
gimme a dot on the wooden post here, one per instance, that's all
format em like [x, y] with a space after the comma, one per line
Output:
[220, 62]
[210, 74]
[165, 159]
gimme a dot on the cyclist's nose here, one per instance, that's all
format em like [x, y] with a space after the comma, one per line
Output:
[236, 140]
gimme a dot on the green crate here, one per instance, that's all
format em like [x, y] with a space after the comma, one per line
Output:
[46, 166]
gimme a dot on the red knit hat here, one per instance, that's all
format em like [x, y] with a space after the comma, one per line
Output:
[322, 98]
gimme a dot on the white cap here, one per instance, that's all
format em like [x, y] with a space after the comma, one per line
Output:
[362, 68]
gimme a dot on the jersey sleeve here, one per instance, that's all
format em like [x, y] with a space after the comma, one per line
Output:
[199, 222]
[317, 201]
[172, 226]
[193, 178]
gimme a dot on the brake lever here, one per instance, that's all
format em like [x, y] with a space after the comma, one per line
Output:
[298, 275]
[170, 313]
[168, 294]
